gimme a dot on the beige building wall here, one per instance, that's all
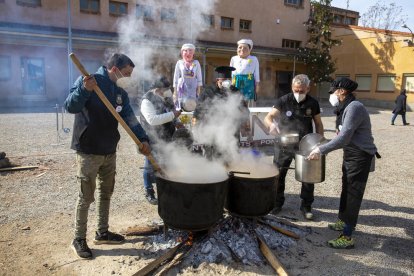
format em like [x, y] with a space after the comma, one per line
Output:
[375, 53]
[41, 32]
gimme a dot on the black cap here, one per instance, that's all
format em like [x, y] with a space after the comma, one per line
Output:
[344, 83]
[161, 83]
[224, 72]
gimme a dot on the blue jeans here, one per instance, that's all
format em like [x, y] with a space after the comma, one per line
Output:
[148, 175]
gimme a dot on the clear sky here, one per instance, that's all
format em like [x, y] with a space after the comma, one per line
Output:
[362, 6]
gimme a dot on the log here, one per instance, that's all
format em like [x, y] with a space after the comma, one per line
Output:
[143, 230]
[280, 230]
[159, 261]
[19, 168]
[176, 261]
[270, 257]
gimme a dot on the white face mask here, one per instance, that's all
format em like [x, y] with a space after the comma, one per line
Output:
[226, 84]
[167, 93]
[333, 99]
[123, 82]
[299, 97]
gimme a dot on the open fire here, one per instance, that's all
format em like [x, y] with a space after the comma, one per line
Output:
[232, 239]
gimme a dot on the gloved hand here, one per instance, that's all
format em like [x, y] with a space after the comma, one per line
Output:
[315, 154]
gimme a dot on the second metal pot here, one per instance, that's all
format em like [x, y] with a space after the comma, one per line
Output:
[289, 139]
[309, 171]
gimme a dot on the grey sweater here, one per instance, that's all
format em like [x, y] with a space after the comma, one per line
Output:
[356, 130]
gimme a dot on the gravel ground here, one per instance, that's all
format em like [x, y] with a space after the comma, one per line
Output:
[36, 208]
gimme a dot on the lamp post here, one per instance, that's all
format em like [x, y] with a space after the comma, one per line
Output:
[406, 27]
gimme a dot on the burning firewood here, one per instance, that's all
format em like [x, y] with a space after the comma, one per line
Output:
[143, 230]
[169, 255]
[279, 229]
[270, 257]
[176, 260]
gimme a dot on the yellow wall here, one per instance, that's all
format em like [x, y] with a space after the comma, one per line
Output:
[366, 51]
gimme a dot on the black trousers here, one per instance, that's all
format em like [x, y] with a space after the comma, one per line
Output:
[283, 158]
[355, 170]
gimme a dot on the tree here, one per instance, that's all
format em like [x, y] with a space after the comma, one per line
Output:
[381, 16]
[316, 54]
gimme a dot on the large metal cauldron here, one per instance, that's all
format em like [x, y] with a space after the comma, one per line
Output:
[192, 207]
[251, 197]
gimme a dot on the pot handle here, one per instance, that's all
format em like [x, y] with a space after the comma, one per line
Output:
[231, 173]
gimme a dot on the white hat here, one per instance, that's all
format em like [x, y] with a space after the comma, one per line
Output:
[246, 41]
[187, 46]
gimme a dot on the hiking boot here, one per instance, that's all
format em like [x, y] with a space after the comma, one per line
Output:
[337, 226]
[108, 238]
[150, 196]
[307, 212]
[342, 242]
[276, 210]
[80, 247]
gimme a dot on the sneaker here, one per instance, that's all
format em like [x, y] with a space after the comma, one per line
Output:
[276, 210]
[392, 124]
[337, 226]
[406, 124]
[80, 247]
[342, 242]
[307, 212]
[150, 196]
[108, 238]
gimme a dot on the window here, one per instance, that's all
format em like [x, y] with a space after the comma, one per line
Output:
[337, 19]
[245, 25]
[5, 68]
[364, 82]
[144, 11]
[33, 75]
[296, 3]
[90, 6]
[349, 21]
[29, 3]
[168, 15]
[386, 83]
[342, 76]
[287, 43]
[408, 82]
[118, 8]
[208, 19]
[226, 23]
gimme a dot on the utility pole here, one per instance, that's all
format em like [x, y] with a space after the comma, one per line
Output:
[70, 68]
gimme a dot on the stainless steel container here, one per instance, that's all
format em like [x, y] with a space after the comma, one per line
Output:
[310, 171]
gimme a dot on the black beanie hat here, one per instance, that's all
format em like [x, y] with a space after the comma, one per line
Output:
[344, 83]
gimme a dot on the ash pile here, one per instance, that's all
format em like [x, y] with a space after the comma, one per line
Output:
[233, 239]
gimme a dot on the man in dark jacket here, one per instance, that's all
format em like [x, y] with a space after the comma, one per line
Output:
[95, 138]
[400, 107]
[159, 119]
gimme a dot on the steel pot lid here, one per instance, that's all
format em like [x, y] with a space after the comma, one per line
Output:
[309, 142]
